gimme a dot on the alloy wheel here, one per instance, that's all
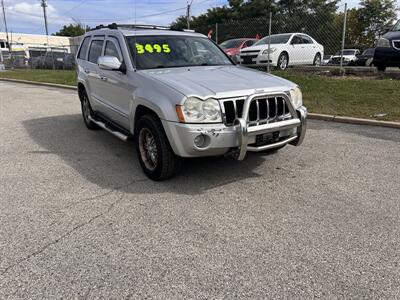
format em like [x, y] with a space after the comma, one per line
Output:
[148, 149]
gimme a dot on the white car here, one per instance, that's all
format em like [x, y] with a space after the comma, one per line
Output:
[349, 57]
[288, 49]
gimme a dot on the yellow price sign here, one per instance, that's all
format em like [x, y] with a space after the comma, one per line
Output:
[152, 48]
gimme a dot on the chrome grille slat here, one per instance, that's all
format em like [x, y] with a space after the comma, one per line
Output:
[264, 111]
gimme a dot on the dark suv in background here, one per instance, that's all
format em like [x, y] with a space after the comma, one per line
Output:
[387, 52]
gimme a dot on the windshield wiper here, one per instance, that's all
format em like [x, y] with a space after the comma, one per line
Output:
[160, 67]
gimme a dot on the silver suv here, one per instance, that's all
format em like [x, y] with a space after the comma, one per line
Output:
[179, 95]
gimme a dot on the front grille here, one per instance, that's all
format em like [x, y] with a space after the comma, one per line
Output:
[396, 44]
[261, 111]
[248, 59]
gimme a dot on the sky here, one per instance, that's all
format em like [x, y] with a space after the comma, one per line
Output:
[26, 16]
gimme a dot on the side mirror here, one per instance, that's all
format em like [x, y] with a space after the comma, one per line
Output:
[109, 63]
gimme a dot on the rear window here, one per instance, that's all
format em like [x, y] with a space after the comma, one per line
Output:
[84, 48]
[95, 50]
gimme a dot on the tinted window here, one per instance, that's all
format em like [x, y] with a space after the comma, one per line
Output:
[297, 40]
[369, 52]
[84, 48]
[2, 45]
[95, 51]
[306, 39]
[397, 26]
[111, 50]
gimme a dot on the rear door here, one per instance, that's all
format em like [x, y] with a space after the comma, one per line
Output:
[296, 53]
[309, 49]
[92, 71]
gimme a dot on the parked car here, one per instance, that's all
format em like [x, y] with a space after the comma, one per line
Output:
[387, 52]
[54, 59]
[366, 58]
[287, 49]
[69, 61]
[326, 59]
[233, 47]
[176, 101]
[37, 62]
[349, 57]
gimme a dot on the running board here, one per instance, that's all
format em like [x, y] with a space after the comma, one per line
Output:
[111, 130]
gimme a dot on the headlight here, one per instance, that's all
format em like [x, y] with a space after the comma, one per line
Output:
[195, 110]
[384, 43]
[296, 97]
[271, 50]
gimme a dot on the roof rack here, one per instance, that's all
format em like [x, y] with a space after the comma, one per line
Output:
[136, 26]
[130, 26]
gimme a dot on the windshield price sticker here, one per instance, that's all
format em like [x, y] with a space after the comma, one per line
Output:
[155, 48]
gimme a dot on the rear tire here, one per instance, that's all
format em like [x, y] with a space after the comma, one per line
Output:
[381, 68]
[87, 111]
[317, 60]
[154, 152]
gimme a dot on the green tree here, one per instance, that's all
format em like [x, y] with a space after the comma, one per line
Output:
[376, 16]
[72, 30]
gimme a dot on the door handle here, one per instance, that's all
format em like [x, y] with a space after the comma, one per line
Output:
[103, 78]
[86, 71]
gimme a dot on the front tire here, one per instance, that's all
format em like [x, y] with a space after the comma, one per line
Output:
[283, 61]
[154, 152]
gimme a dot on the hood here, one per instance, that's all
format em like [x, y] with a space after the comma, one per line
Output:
[344, 56]
[391, 35]
[260, 47]
[219, 81]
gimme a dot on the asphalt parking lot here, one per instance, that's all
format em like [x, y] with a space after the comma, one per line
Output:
[78, 219]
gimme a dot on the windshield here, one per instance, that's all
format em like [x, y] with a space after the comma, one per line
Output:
[231, 44]
[173, 51]
[346, 52]
[397, 26]
[275, 39]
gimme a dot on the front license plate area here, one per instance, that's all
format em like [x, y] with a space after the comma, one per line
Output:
[267, 138]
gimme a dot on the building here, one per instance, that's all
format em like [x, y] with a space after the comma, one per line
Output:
[36, 44]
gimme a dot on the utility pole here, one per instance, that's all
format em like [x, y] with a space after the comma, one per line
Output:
[44, 5]
[5, 27]
[189, 6]
[343, 38]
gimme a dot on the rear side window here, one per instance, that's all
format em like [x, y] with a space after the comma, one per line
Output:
[95, 50]
[84, 48]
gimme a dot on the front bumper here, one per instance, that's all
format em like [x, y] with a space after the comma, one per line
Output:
[238, 139]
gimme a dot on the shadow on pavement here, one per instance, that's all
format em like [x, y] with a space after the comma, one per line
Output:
[110, 163]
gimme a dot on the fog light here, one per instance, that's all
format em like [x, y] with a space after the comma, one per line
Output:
[200, 140]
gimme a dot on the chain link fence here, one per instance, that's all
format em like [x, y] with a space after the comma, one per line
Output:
[57, 57]
[330, 45]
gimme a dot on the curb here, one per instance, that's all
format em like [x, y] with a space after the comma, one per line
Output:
[54, 85]
[356, 121]
[314, 116]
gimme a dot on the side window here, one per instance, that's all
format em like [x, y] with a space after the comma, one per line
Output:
[84, 48]
[95, 50]
[296, 40]
[112, 49]
[2, 45]
[306, 40]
